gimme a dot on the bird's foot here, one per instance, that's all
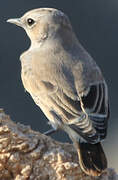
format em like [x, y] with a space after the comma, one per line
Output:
[49, 132]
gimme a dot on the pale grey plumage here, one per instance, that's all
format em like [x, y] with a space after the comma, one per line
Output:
[62, 77]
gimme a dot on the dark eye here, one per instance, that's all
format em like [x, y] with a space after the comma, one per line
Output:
[30, 22]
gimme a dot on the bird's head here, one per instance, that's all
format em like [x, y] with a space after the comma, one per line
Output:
[42, 23]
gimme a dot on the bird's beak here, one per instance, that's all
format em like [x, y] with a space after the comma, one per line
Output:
[16, 21]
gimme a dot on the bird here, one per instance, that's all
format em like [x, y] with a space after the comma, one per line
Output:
[66, 83]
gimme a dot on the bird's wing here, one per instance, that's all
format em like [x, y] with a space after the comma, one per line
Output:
[87, 115]
[96, 109]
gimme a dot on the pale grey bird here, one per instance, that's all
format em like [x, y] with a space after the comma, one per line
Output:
[66, 84]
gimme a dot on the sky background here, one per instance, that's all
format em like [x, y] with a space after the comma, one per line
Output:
[96, 25]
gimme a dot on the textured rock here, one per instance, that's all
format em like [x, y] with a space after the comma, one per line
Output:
[30, 155]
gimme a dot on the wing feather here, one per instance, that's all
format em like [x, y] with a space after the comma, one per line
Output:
[89, 113]
[99, 112]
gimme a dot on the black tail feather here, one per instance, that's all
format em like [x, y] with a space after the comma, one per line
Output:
[92, 158]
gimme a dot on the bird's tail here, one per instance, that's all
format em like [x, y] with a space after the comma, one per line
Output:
[92, 158]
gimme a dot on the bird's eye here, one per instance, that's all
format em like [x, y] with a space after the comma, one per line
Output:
[30, 22]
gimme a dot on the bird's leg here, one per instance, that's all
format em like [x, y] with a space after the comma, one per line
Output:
[54, 127]
[49, 132]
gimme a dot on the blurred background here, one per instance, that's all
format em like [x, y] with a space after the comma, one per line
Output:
[96, 25]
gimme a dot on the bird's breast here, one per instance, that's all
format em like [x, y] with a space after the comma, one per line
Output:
[27, 77]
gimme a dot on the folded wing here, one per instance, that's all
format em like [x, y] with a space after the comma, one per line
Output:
[95, 107]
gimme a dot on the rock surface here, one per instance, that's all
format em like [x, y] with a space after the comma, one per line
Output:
[29, 155]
